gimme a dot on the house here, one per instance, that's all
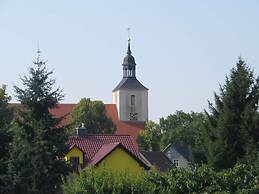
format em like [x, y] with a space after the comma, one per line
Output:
[157, 159]
[178, 154]
[114, 152]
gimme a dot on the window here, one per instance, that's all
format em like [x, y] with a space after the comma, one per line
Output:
[176, 163]
[132, 100]
[74, 161]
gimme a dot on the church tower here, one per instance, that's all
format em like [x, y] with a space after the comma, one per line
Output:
[130, 96]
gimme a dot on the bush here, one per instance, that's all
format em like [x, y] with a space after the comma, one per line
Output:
[198, 179]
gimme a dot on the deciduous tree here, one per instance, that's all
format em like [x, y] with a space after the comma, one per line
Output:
[149, 139]
[93, 115]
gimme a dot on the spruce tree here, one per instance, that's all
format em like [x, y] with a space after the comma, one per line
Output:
[39, 144]
[232, 122]
[5, 138]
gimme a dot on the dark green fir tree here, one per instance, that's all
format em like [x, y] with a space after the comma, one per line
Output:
[5, 138]
[39, 144]
[233, 120]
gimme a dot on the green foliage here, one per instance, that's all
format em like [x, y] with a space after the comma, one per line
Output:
[102, 181]
[199, 179]
[5, 138]
[38, 145]
[185, 128]
[233, 121]
[149, 139]
[93, 115]
[181, 128]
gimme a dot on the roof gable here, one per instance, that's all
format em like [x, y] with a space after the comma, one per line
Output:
[158, 159]
[91, 144]
[181, 149]
[107, 149]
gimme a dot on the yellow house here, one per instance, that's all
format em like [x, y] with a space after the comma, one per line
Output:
[113, 152]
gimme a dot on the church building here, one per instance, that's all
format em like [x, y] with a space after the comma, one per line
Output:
[129, 108]
[130, 96]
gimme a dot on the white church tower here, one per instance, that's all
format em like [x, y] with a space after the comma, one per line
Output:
[130, 96]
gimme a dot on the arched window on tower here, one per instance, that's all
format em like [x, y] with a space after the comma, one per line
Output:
[133, 116]
[132, 100]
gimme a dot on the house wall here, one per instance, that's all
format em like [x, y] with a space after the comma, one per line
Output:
[173, 154]
[122, 100]
[119, 160]
[75, 152]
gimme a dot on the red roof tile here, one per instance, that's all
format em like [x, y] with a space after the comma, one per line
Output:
[106, 149]
[103, 152]
[91, 144]
[123, 128]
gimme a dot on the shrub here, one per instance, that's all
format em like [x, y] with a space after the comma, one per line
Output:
[198, 179]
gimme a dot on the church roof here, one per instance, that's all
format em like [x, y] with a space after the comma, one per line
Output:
[131, 128]
[130, 83]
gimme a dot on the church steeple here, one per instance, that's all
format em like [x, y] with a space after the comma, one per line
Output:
[129, 51]
[129, 65]
[130, 96]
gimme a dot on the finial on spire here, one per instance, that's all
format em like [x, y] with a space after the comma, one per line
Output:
[129, 51]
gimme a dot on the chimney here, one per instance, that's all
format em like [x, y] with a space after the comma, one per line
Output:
[81, 131]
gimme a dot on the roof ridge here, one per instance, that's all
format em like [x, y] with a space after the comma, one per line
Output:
[102, 135]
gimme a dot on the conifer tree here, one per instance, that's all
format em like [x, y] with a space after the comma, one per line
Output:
[39, 144]
[232, 122]
[5, 138]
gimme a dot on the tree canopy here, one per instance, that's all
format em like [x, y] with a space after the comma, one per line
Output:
[149, 139]
[39, 145]
[233, 120]
[93, 115]
[5, 138]
[178, 128]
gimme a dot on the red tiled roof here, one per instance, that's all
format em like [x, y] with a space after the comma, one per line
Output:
[123, 128]
[63, 111]
[91, 144]
[129, 128]
[103, 152]
[106, 149]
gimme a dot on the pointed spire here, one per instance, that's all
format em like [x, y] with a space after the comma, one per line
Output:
[129, 51]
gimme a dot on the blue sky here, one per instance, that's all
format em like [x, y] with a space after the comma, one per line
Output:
[183, 49]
